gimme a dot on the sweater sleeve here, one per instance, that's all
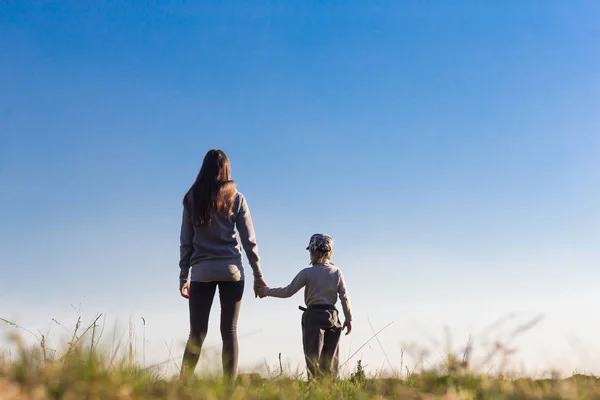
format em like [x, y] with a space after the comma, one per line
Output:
[284, 292]
[186, 247]
[344, 297]
[247, 237]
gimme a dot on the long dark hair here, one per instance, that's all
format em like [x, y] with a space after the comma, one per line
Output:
[213, 192]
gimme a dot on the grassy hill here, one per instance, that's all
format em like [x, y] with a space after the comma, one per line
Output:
[82, 373]
[82, 370]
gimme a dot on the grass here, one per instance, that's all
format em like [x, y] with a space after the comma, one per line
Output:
[84, 370]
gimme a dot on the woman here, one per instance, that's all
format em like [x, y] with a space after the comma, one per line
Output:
[212, 209]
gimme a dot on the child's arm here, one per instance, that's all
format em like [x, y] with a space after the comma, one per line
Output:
[284, 292]
[345, 300]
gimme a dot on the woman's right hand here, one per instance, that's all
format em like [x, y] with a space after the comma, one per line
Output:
[258, 283]
[347, 326]
[185, 290]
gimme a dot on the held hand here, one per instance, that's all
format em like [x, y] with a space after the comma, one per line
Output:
[185, 290]
[261, 292]
[348, 327]
[258, 283]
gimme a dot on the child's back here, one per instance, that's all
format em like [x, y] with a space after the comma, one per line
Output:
[321, 329]
[323, 284]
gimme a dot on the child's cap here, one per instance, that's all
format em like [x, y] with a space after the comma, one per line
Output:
[320, 241]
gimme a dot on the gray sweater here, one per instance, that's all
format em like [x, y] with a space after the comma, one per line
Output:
[322, 282]
[213, 252]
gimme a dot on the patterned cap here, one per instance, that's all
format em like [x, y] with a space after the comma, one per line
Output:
[320, 241]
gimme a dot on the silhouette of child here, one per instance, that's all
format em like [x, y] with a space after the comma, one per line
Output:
[323, 282]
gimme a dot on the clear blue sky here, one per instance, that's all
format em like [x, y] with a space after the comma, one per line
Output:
[450, 149]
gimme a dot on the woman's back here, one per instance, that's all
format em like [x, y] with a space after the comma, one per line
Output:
[212, 211]
[213, 251]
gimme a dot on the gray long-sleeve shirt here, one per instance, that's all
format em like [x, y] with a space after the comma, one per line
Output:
[213, 252]
[323, 284]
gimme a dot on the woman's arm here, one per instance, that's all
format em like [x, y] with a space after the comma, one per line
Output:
[297, 283]
[186, 248]
[245, 227]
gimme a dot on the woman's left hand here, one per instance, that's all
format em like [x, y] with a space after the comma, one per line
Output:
[261, 292]
[258, 283]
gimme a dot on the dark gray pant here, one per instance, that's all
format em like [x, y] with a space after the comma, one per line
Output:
[201, 299]
[321, 331]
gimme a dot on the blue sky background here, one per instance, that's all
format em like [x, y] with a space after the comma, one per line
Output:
[450, 149]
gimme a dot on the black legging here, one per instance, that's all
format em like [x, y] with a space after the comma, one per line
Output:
[201, 299]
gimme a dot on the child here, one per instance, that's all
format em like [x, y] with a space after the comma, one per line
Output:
[321, 329]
